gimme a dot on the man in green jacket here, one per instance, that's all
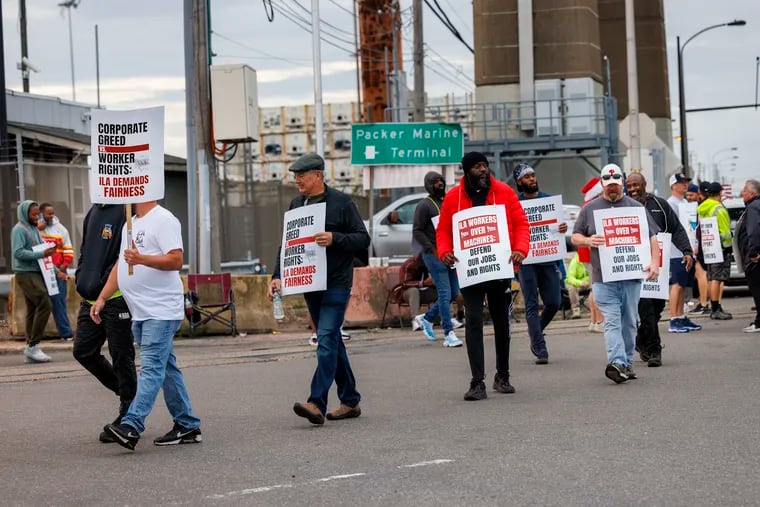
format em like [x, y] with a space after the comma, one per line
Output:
[718, 273]
[24, 236]
[577, 279]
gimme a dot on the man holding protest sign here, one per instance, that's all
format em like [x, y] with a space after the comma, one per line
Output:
[27, 248]
[716, 245]
[483, 221]
[624, 250]
[539, 277]
[648, 340]
[342, 237]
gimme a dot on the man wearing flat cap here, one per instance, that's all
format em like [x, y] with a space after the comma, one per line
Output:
[344, 237]
[479, 188]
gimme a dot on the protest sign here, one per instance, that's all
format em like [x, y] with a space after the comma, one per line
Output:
[626, 250]
[303, 264]
[127, 164]
[711, 248]
[659, 288]
[47, 268]
[687, 215]
[546, 242]
[481, 244]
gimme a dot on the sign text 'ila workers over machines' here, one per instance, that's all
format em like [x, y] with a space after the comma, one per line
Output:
[127, 156]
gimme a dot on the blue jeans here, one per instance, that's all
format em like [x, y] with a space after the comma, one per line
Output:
[447, 285]
[159, 369]
[539, 279]
[60, 314]
[619, 302]
[327, 309]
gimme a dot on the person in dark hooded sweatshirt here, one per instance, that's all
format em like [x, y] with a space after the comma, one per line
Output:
[26, 270]
[423, 233]
[479, 188]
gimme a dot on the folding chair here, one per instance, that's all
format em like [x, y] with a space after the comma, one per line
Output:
[395, 293]
[213, 299]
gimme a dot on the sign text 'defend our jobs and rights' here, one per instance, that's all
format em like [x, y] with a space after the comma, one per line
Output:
[406, 143]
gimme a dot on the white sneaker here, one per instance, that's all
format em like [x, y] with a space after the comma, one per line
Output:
[451, 340]
[598, 328]
[456, 324]
[343, 335]
[752, 328]
[313, 340]
[417, 322]
[35, 355]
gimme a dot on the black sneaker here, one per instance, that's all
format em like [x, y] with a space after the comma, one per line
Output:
[701, 310]
[501, 384]
[476, 392]
[106, 437]
[655, 360]
[123, 434]
[631, 374]
[720, 314]
[540, 358]
[644, 356]
[180, 435]
[616, 373]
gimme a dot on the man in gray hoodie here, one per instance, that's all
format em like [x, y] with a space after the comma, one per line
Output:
[445, 279]
[24, 236]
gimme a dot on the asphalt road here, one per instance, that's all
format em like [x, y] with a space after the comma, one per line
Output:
[684, 434]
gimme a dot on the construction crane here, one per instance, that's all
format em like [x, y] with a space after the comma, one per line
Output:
[380, 53]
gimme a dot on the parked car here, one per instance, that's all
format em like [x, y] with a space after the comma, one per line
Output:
[392, 227]
[735, 209]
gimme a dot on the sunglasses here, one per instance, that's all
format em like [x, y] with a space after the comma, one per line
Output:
[612, 177]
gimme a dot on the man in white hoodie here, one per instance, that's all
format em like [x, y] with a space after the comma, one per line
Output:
[52, 231]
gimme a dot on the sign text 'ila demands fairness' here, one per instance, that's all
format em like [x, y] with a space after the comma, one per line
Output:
[127, 156]
[546, 242]
[303, 264]
[481, 244]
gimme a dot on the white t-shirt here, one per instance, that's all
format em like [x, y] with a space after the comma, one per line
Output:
[674, 201]
[153, 293]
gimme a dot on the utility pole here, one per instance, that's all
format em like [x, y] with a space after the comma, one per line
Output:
[317, 64]
[634, 144]
[204, 220]
[7, 171]
[419, 62]
[24, 48]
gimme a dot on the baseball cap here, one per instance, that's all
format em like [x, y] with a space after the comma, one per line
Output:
[704, 186]
[611, 174]
[692, 188]
[678, 178]
[714, 188]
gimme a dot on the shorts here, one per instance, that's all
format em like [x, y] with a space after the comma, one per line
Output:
[678, 273]
[719, 272]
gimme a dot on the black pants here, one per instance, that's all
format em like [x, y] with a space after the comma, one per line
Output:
[648, 335]
[752, 272]
[499, 296]
[116, 327]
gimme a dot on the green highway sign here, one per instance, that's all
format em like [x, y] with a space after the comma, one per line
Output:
[406, 143]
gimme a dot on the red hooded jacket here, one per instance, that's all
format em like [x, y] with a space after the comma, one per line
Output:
[498, 193]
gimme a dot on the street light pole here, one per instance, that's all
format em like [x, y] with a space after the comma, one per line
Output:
[681, 95]
[713, 164]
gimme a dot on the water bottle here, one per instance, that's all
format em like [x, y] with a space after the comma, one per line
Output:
[278, 310]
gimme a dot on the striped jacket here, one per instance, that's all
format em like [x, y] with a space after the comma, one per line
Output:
[58, 234]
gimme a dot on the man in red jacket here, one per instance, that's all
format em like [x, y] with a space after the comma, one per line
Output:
[479, 188]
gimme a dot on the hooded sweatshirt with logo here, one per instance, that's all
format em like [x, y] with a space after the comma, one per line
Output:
[56, 233]
[101, 244]
[24, 236]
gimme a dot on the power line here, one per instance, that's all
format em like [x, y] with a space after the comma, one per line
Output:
[336, 4]
[307, 27]
[244, 46]
[443, 18]
[460, 18]
[322, 21]
[446, 61]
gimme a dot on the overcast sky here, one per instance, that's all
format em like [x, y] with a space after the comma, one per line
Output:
[142, 59]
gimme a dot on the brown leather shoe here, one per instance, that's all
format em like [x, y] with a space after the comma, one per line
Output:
[310, 412]
[344, 412]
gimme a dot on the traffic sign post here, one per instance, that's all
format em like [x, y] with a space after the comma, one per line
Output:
[406, 144]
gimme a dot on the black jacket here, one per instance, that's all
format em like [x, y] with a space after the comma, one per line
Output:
[423, 232]
[101, 242]
[667, 220]
[350, 237]
[748, 234]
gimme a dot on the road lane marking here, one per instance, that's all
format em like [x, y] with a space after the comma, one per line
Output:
[344, 476]
[427, 463]
[264, 489]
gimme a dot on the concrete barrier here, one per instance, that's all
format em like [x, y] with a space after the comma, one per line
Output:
[253, 308]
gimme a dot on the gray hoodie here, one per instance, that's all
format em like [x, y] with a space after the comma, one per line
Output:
[423, 231]
[24, 236]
